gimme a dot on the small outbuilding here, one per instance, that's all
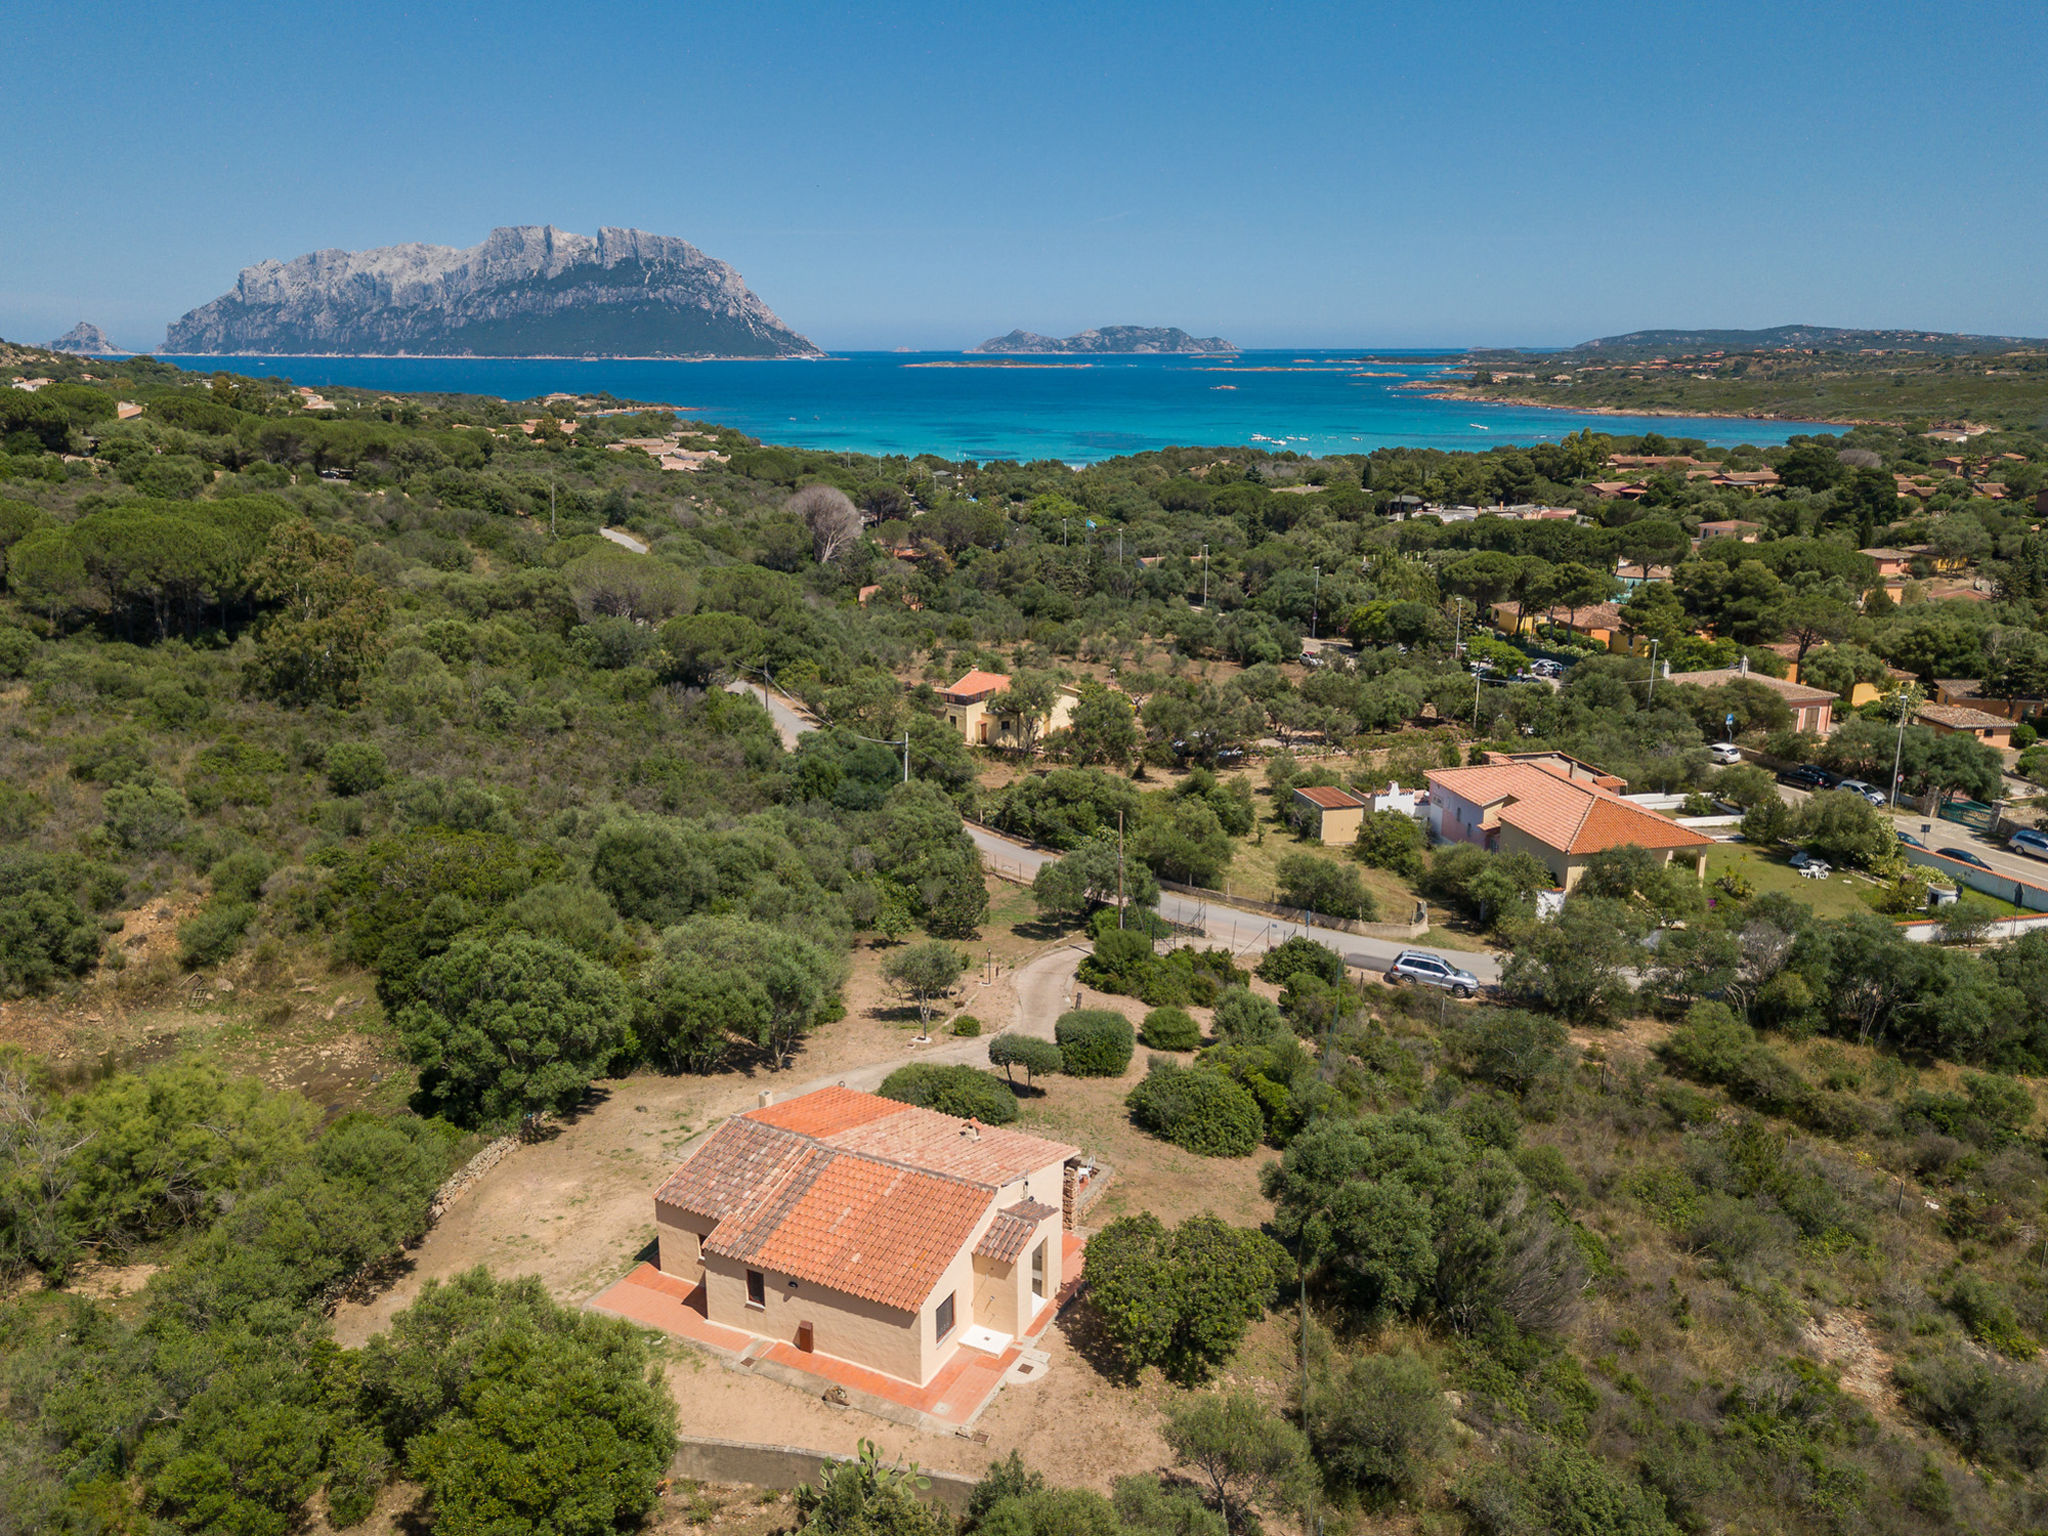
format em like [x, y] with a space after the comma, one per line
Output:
[1334, 816]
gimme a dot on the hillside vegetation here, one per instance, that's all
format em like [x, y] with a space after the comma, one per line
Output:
[300, 703]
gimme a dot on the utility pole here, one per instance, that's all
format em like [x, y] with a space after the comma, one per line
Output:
[906, 754]
[1205, 578]
[1899, 750]
[1315, 611]
[1651, 692]
[551, 507]
[1119, 868]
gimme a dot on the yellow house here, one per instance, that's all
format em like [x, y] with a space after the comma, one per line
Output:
[1599, 623]
[852, 1226]
[1334, 814]
[981, 722]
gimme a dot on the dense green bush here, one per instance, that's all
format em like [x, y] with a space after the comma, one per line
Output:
[355, 768]
[1170, 1029]
[1560, 1488]
[45, 931]
[966, 1026]
[1039, 1058]
[1197, 1109]
[1324, 886]
[1992, 1412]
[1297, 956]
[1377, 1426]
[215, 933]
[1094, 1042]
[1181, 1298]
[967, 1092]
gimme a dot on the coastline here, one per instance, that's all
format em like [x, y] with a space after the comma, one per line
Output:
[521, 357]
[1434, 392]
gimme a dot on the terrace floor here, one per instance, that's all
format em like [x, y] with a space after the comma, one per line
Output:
[951, 1400]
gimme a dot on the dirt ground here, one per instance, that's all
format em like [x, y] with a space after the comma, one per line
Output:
[577, 1211]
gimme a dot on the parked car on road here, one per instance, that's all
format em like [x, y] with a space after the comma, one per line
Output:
[1807, 776]
[1725, 753]
[2030, 842]
[1963, 855]
[1420, 966]
[1868, 791]
[1911, 841]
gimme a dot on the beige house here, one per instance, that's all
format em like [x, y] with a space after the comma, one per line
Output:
[1952, 719]
[973, 710]
[853, 1226]
[1539, 809]
[1813, 709]
[1332, 815]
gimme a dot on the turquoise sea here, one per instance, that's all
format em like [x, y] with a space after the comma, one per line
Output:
[925, 402]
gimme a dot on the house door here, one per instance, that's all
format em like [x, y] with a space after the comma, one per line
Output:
[988, 1308]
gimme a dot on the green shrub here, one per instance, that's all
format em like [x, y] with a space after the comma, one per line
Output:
[1197, 1109]
[1094, 1042]
[967, 1026]
[1553, 1488]
[1281, 965]
[355, 768]
[1983, 1309]
[1377, 1427]
[16, 647]
[1394, 840]
[1039, 1058]
[239, 876]
[215, 933]
[1170, 1029]
[1122, 957]
[1992, 1413]
[1325, 886]
[968, 1092]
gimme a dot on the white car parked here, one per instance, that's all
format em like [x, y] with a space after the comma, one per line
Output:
[1725, 753]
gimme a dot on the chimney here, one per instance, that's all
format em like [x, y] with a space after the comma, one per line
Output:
[1068, 1182]
[764, 1098]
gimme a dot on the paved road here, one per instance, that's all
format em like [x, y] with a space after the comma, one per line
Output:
[789, 724]
[1234, 927]
[1936, 833]
[624, 540]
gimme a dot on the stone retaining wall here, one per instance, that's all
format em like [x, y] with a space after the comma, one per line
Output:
[785, 1466]
[459, 1182]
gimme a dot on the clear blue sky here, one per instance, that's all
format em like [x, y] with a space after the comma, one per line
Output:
[928, 175]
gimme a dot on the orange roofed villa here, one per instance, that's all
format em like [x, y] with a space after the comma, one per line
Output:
[1541, 808]
[852, 1226]
[973, 709]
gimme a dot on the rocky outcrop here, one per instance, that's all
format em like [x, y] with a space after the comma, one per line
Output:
[87, 340]
[1110, 338]
[533, 291]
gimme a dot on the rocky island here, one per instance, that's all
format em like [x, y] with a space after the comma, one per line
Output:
[529, 291]
[87, 340]
[1132, 339]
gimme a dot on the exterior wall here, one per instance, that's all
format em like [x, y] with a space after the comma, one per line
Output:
[679, 1248]
[1454, 819]
[880, 1338]
[1999, 736]
[1002, 729]
[969, 720]
[1563, 868]
[1340, 827]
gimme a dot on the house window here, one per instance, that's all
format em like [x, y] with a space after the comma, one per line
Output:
[757, 1289]
[944, 1321]
[1038, 1271]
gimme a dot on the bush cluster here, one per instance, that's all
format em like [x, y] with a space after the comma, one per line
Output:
[1198, 1109]
[967, 1092]
[1094, 1042]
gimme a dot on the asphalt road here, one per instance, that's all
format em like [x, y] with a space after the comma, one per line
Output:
[788, 723]
[1936, 833]
[1236, 928]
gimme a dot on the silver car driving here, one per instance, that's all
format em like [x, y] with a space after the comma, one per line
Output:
[1419, 965]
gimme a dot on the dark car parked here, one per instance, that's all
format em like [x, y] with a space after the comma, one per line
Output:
[1807, 776]
[1964, 855]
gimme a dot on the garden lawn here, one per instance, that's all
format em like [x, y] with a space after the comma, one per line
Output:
[1842, 893]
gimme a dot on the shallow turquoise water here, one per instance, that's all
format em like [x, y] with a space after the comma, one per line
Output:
[885, 402]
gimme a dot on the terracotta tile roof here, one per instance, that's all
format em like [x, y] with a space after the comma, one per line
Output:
[1715, 677]
[1960, 687]
[883, 1233]
[989, 1155]
[1011, 1230]
[735, 1162]
[1961, 717]
[1568, 815]
[1329, 798]
[826, 1112]
[977, 685]
[853, 1191]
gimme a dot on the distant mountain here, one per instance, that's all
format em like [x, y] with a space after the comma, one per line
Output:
[1826, 338]
[1111, 338]
[87, 340]
[532, 291]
